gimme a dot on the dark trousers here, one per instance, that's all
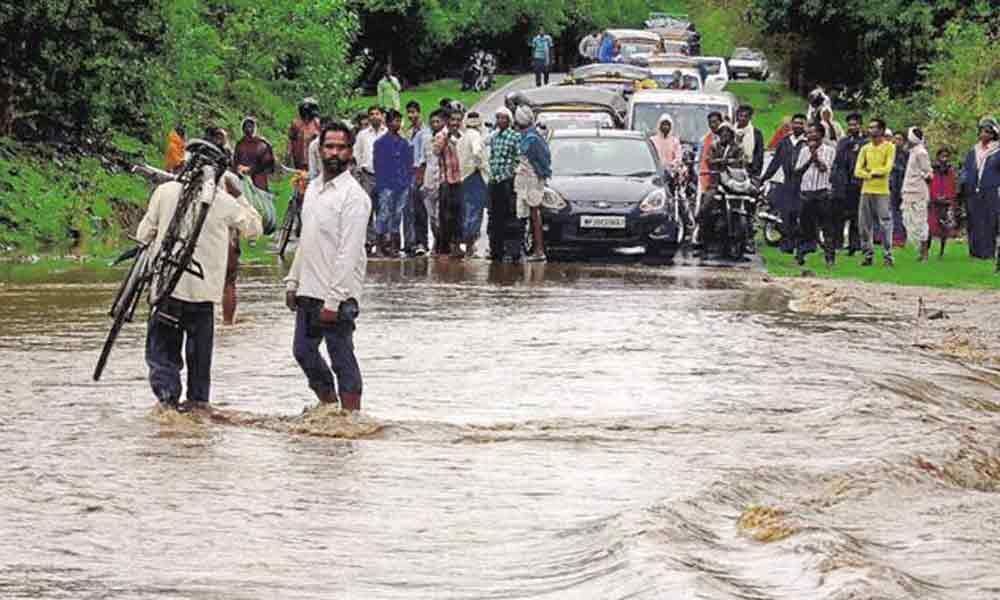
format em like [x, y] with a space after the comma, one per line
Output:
[339, 338]
[195, 331]
[419, 219]
[501, 212]
[541, 72]
[820, 214]
[847, 214]
[450, 209]
[367, 181]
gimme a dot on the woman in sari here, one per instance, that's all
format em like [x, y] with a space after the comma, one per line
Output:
[981, 188]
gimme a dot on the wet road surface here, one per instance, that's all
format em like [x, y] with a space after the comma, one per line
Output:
[552, 431]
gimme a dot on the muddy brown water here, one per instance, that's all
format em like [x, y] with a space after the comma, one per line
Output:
[601, 432]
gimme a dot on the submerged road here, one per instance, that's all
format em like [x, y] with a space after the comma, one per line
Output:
[546, 431]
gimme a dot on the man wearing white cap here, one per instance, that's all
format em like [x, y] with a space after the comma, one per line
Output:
[534, 169]
[504, 152]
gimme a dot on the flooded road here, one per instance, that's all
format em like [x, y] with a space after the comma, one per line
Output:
[541, 432]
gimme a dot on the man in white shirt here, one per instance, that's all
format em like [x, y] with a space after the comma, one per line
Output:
[189, 311]
[814, 166]
[325, 281]
[364, 156]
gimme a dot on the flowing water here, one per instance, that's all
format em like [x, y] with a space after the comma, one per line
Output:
[577, 432]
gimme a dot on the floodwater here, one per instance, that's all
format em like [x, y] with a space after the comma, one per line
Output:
[604, 431]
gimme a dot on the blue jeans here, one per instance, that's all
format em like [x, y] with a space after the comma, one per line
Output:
[473, 204]
[339, 338]
[195, 331]
[391, 204]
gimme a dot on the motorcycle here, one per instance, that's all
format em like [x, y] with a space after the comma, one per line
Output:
[730, 221]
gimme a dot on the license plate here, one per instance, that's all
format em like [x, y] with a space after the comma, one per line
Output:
[601, 222]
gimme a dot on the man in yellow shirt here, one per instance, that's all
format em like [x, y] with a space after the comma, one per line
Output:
[874, 165]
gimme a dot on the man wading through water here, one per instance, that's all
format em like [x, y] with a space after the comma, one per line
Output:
[188, 316]
[326, 277]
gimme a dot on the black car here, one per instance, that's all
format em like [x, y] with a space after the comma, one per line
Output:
[607, 195]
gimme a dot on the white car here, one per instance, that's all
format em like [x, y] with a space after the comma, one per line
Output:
[716, 73]
[751, 63]
[690, 78]
[689, 111]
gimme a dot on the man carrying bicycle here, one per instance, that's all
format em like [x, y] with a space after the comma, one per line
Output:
[187, 318]
[325, 282]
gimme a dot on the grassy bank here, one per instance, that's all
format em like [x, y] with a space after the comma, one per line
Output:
[56, 205]
[955, 270]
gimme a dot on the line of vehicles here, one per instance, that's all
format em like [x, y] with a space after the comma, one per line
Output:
[609, 191]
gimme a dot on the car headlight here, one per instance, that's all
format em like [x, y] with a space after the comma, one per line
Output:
[655, 200]
[552, 200]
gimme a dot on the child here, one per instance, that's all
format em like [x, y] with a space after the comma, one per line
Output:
[942, 215]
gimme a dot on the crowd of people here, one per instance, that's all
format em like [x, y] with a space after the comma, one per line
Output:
[876, 187]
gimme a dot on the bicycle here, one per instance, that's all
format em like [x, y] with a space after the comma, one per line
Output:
[293, 214]
[174, 256]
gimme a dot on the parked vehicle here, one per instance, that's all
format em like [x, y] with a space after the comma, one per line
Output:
[689, 110]
[665, 66]
[479, 73]
[748, 63]
[620, 78]
[608, 194]
[716, 72]
[673, 34]
[572, 107]
[730, 225]
[636, 43]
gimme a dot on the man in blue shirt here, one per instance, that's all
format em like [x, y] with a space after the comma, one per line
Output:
[393, 179]
[541, 55]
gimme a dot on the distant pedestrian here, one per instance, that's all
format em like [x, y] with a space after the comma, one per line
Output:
[589, 45]
[541, 56]
[874, 166]
[430, 188]
[324, 284]
[173, 156]
[834, 131]
[896, 188]
[606, 51]
[416, 215]
[388, 90]
[668, 145]
[750, 139]
[393, 162]
[704, 169]
[847, 187]
[450, 189]
[942, 215]
[475, 173]
[504, 154]
[534, 170]
[981, 187]
[916, 192]
[814, 166]
[364, 156]
[301, 132]
[786, 198]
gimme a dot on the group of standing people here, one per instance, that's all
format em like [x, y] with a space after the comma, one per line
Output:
[878, 187]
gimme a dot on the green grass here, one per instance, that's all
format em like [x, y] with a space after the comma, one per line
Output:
[955, 270]
[772, 101]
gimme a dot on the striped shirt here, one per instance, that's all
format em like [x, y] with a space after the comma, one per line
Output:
[813, 180]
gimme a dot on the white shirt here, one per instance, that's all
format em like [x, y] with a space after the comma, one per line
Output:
[364, 147]
[315, 162]
[212, 250]
[472, 154]
[813, 180]
[330, 262]
[432, 174]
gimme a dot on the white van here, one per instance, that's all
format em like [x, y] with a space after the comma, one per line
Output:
[689, 111]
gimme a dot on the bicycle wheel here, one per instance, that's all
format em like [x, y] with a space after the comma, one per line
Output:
[124, 307]
[176, 256]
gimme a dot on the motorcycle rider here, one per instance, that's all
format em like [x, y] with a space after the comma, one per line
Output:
[725, 153]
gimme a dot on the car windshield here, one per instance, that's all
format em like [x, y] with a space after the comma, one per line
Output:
[690, 120]
[630, 49]
[688, 81]
[575, 120]
[744, 55]
[594, 156]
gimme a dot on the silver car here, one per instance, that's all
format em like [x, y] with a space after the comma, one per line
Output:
[749, 63]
